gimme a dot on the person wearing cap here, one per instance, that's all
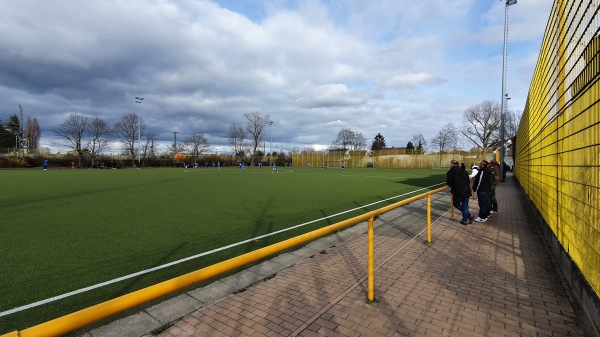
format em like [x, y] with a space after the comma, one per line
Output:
[482, 186]
[460, 187]
[474, 171]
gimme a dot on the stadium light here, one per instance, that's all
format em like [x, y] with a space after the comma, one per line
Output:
[271, 144]
[504, 94]
[139, 101]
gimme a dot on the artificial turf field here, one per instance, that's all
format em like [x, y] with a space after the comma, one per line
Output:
[67, 229]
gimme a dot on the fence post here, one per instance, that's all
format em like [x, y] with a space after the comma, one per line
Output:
[371, 259]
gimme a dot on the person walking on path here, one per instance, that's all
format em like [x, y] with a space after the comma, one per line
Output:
[482, 186]
[460, 187]
[495, 178]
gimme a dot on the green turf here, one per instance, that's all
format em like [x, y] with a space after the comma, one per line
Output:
[63, 230]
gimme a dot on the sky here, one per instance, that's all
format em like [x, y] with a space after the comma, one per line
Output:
[394, 67]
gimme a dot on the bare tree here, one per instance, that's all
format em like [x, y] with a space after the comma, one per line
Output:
[255, 126]
[72, 131]
[32, 133]
[237, 140]
[445, 139]
[196, 144]
[149, 151]
[99, 137]
[344, 139]
[127, 131]
[511, 124]
[482, 123]
[349, 140]
[419, 142]
[359, 142]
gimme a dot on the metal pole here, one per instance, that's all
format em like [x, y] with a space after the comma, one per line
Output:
[139, 101]
[175, 142]
[271, 144]
[21, 140]
[504, 94]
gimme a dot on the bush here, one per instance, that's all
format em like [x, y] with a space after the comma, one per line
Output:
[13, 162]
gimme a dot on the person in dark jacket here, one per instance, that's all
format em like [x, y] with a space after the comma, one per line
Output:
[482, 185]
[460, 187]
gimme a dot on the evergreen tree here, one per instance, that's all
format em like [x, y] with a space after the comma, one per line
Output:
[9, 132]
[378, 142]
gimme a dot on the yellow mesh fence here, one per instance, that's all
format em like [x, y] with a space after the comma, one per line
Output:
[558, 143]
[391, 158]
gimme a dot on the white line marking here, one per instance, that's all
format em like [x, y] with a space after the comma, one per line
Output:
[126, 277]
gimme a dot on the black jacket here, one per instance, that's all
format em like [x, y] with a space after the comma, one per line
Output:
[458, 180]
[483, 180]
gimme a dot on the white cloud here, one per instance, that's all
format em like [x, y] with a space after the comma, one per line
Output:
[395, 67]
[410, 80]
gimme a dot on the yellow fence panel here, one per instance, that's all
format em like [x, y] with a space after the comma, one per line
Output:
[558, 143]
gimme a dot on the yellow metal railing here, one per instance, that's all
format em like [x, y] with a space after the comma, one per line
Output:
[97, 312]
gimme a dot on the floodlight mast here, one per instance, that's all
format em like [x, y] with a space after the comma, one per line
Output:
[504, 94]
[271, 144]
[139, 100]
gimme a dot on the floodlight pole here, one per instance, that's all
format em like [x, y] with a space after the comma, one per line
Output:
[139, 101]
[271, 144]
[507, 3]
[175, 142]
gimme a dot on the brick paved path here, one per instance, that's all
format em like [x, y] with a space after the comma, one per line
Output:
[485, 279]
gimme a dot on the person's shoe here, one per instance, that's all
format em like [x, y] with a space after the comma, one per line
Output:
[463, 223]
[478, 219]
[492, 212]
[471, 219]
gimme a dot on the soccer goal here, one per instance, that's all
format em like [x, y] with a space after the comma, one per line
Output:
[435, 165]
[333, 164]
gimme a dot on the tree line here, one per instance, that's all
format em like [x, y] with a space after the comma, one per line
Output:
[91, 136]
[480, 126]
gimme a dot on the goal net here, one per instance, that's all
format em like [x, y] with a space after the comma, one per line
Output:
[334, 164]
[435, 165]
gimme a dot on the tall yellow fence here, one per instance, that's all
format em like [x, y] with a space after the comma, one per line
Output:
[73, 321]
[558, 143]
[386, 158]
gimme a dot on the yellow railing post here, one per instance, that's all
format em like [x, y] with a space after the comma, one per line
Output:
[451, 206]
[371, 259]
[428, 217]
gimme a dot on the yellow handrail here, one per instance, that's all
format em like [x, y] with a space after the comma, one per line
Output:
[102, 310]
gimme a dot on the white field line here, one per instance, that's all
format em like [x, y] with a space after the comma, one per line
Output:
[126, 277]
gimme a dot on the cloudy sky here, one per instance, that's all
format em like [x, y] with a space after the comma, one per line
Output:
[395, 67]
